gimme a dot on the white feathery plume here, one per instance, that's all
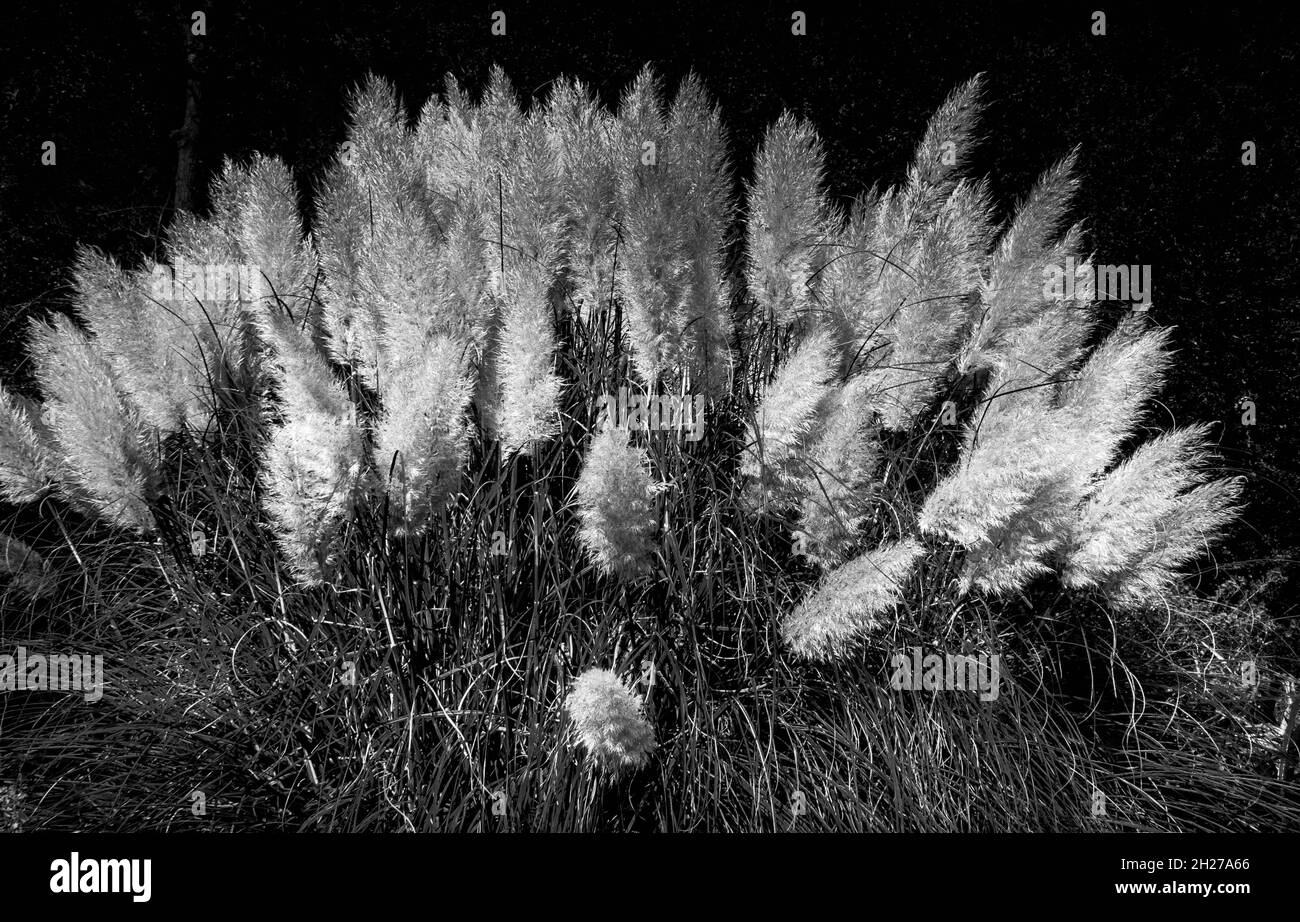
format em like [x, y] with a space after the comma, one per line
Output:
[207, 329]
[838, 479]
[272, 240]
[499, 121]
[421, 437]
[942, 155]
[310, 470]
[27, 472]
[848, 282]
[615, 497]
[154, 348]
[527, 408]
[653, 262]
[449, 145]
[788, 224]
[1017, 550]
[1012, 457]
[107, 455]
[1153, 513]
[1197, 522]
[219, 239]
[463, 278]
[787, 418]
[1014, 293]
[900, 278]
[400, 278]
[1105, 398]
[586, 137]
[850, 600]
[1030, 466]
[521, 278]
[925, 292]
[313, 459]
[697, 165]
[341, 232]
[610, 722]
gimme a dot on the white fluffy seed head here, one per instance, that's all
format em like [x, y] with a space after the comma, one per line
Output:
[850, 601]
[610, 722]
[615, 501]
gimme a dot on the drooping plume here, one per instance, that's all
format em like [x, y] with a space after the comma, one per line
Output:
[27, 471]
[850, 601]
[1153, 513]
[789, 415]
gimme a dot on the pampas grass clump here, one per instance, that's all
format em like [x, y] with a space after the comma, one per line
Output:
[345, 529]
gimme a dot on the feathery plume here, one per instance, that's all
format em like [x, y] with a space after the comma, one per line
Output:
[1016, 550]
[108, 455]
[150, 342]
[787, 418]
[696, 161]
[849, 601]
[1198, 521]
[1015, 292]
[848, 281]
[421, 437]
[310, 470]
[925, 292]
[653, 262]
[1106, 397]
[788, 223]
[271, 237]
[449, 143]
[838, 481]
[1029, 465]
[610, 722]
[521, 278]
[26, 469]
[943, 152]
[463, 279]
[203, 320]
[499, 121]
[527, 408]
[1153, 513]
[588, 145]
[674, 212]
[615, 501]
[340, 236]
[1015, 453]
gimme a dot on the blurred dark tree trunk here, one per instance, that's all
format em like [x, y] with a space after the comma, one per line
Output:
[187, 135]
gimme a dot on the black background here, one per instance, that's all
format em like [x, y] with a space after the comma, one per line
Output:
[1161, 106]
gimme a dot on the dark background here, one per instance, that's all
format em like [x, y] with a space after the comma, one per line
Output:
[1161, 105]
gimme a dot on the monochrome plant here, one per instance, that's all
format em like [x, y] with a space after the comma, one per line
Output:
[907, 436]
